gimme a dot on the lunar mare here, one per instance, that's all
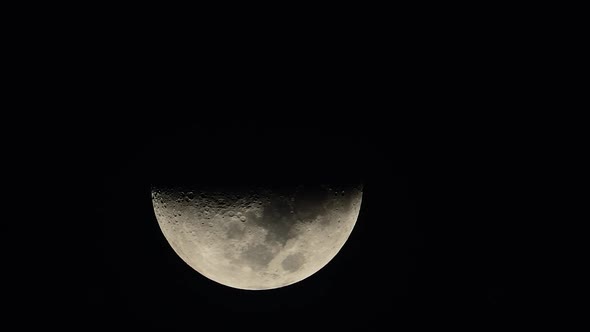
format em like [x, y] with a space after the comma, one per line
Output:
[259, 238]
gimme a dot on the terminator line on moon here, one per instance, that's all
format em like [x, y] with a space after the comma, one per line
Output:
[257, 238]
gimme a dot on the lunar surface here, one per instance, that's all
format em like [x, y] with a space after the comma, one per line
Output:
[257, 238]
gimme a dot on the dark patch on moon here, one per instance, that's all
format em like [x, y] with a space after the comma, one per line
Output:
[287, 206]
[234, 231]
[257, 256]
[251, 216]
[277, 220]
[309, 201]
[293, 262]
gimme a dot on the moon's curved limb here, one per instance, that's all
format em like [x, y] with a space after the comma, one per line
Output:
[257, 238]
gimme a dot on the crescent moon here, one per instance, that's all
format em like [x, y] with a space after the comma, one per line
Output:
[257, 238]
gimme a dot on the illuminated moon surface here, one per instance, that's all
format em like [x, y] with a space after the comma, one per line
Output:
[257, 238]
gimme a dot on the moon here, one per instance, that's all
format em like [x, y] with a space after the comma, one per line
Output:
[258, 237]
